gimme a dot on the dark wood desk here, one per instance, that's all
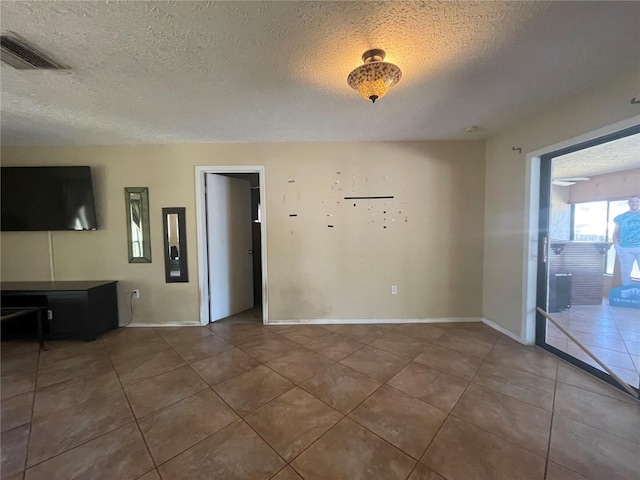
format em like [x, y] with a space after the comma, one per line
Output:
[75, 309]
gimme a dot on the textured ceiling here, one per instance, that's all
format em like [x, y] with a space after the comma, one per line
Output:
[164, 72]
[614, 156]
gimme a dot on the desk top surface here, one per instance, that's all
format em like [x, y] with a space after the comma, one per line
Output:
[52, 286]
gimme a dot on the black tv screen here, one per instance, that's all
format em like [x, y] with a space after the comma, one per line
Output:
[47, 198]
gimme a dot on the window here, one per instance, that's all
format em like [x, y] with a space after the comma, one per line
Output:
[593, 222]
[590, 222]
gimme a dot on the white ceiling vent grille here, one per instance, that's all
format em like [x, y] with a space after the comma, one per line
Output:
[15, 52]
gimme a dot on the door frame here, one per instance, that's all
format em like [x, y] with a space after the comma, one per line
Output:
[539, 178]
[201, 226]
[531, 221]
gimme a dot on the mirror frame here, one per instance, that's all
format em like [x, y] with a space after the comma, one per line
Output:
[146, 230]
[182, 234]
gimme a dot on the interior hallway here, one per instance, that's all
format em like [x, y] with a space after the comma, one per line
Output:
[241, 400]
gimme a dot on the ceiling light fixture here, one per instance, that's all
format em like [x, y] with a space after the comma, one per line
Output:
[374, 79]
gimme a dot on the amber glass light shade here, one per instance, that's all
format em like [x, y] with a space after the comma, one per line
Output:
[374, 79]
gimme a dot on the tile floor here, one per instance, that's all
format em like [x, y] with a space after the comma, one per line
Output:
[611, 333]
[242, 401]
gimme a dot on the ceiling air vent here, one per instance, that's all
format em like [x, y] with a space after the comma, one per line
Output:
[18, 54]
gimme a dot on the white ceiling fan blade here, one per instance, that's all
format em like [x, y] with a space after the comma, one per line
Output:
[573, 179]
[562, 183]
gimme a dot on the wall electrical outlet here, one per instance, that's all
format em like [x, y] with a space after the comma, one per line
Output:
[136, 293]
[49, 314]
[394, 289]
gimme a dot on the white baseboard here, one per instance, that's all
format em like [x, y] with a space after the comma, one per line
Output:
[351, 321]
[503, 330]
[156, 325]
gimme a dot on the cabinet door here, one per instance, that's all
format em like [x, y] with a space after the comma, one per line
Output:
[69, 311]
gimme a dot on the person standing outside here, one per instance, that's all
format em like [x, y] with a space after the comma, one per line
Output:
[626, 238]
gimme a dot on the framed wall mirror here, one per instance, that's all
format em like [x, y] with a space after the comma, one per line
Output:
[138, 237]
[175, 245]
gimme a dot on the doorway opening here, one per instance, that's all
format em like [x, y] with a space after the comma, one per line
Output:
[584, 188]
[231, 228]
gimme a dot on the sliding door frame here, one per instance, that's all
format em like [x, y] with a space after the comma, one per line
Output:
[544, 209]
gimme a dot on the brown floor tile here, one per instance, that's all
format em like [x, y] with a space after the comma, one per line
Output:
[177, 335]
[69, 428]
[239, 334]
[17, 476]
[449, 361]
[251, 389]
[524, 386]
[175, 428]
[529, 359]
[17, 347]
[341, 387]
[16, 411]
[350, 452]
[120, 454]
[301, 334]
[134, 370]
[293, 421]
[434, 387]
[519, 422]
[591, 452]
[72, 367]
[558, 472]
[400, 345]
[599, 411]
[287, 473]
[14, 450]
[158, 392]
[462, 451]
[63, 350]
[573, 376]
[362, 333]
[152, 475]
[461, 343]
[75, 391]
[126, 351]
[127, 336]
[594, 432]
[375, 363]
[18, 383]
[268, 347]
[300, 364]
[202, 348]
[405, 422]
[422, 331]
[19, 364]
[335, 346]
[222, 366]
[424, 473]
[236, 452]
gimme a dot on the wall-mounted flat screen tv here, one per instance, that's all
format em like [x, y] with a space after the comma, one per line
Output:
[47, 198]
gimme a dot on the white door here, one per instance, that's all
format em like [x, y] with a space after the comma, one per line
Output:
[229, 245]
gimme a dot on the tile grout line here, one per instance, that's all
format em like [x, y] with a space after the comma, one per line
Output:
[135, 419]
[449, 414]
[33, 404]
[553, 415]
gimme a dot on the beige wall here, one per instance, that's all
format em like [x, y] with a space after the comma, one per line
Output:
[432, 248]
[506, 219]
[610, 186]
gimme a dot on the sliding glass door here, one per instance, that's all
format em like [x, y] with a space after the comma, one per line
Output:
[584, 190]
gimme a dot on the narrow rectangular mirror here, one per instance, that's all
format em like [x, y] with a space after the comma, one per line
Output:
[138, 236]
[175, 245]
